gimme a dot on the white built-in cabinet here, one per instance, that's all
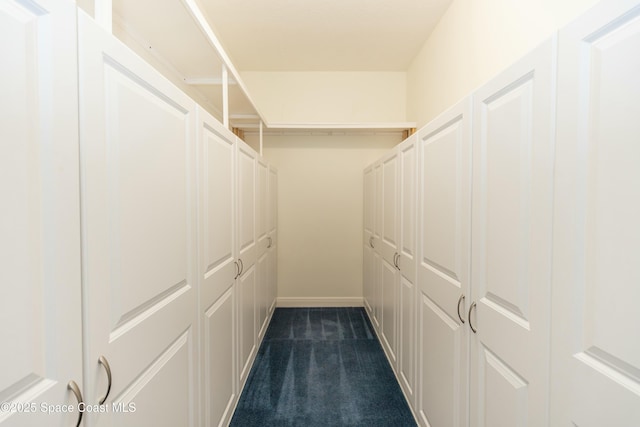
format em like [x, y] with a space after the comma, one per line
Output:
[218, 269]
[444, 219]
[138, 235]
[267, 217]
[390, 255]
[272, 238]
[406, 264]
[371, 251]
[40, 278]
[233, 288]
[512, 208]
[389, 242]
[526, 240]
[247, 256]
[368, 249]
[595, 375]
[482, 262]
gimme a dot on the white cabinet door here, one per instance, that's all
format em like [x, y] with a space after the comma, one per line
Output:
[443, 268]
[377, 248]
[40, 307]
[389, 288]
[273, 238]
[369, 188]
[390, 200]
[137, 146]
[262, 290]
[262, 217]
[511, 243]
[596, 350]
[406, 265]
[217, 268]
[247, 254]
[389, 243]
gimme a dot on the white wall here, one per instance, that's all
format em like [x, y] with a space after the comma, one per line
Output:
[473, 42]
[320, 202]
[328, 97]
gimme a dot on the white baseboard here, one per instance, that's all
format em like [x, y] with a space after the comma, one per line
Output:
[320, 302]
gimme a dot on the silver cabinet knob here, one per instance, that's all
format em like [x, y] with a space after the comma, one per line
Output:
[458, 310]
[76, 391]
[473, 305]
[103, 361]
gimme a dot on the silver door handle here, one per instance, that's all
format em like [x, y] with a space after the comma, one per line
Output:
[371, 242]
[237, 270]
[76, 391]
[241, 267]
[458, 310]
[473, 305]
[397, 260]
[103, 361]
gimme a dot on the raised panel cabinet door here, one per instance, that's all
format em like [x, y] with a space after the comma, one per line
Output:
[247, 254]
[273, 201]
[389, 243]
[273, 238]
[368, 235]
[247, 338]
[262, 218]
[262, 293]
[390, 201]
[389, 296]
[138, 204]
[367, 277]
[596, 350]
[444, 221]
[513, 143]
[217, 268]
[262, 203]
[377, 243]
[264, 243]
[40, 281]
[406, 265]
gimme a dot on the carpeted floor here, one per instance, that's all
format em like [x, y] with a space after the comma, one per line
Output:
[321, 367]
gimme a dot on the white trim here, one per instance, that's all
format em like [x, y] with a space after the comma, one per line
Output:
[103, 11]
[261, 140]
[342, 125]
[207, 81]
[320, 302]
[244, 117]
[225, 96]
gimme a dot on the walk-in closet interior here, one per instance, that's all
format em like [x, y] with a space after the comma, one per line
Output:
[466, 170]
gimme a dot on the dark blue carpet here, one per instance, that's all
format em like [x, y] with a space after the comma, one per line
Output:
[321, 367]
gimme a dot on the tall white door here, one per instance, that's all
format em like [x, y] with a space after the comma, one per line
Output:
[217, 268]
[377, 249]
[406, 265]
[137, 146]
[40, 307]
[389, 243]
[596, 346]
[369, 185]
[444, 218]
[273, 237]
[247, 255]
[262, 235]
[511, 243]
